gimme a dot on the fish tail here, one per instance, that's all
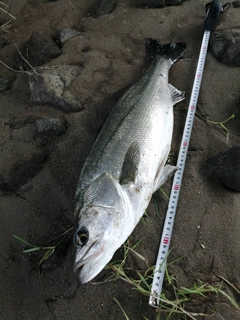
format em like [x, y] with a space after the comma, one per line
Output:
[169, 51]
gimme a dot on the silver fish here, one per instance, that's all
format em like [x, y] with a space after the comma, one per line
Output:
[126, 164]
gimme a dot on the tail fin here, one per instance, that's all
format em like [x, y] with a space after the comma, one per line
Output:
[169, 51]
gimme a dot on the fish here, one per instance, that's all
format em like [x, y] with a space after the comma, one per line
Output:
[126, 164]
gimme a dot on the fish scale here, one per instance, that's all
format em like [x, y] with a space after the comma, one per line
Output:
[132, 126]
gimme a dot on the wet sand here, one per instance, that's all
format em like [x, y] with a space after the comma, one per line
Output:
[111, 52]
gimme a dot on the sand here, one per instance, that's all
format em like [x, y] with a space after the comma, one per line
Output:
[111, 50]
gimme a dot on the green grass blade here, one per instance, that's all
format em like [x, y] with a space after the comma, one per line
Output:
[229, 283]
[144, 281]
[125, 315]
[32, 250]
[164, 193]
[24, 241]
[231, 300]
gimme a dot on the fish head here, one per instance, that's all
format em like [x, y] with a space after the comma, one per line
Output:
[103, 226]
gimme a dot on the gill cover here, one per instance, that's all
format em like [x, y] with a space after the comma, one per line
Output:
[105, 221]
[103, 192]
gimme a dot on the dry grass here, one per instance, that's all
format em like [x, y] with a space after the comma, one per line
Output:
[6, 17]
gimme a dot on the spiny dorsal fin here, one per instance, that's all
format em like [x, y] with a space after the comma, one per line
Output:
[176, 94]
[130, 164]
[102, 192]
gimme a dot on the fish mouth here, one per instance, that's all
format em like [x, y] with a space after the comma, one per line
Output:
[84, 259]
[84, 267]
[78, 266]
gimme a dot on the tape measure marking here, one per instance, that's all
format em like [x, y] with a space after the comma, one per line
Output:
[160, 268]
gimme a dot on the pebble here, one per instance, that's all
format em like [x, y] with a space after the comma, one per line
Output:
[49, 126]
[52, 87]
[236, 4]
[103, 7]
[225, 168]
[225, 46]
[39, 49]
[66, 34]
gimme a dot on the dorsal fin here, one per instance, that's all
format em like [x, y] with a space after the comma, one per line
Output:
[130, 164]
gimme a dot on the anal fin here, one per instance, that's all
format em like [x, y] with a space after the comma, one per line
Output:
[176, 94]
[166, 173]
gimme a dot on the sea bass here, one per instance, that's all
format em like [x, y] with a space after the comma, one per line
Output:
[126, 164]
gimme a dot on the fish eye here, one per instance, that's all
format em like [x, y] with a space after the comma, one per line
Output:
[81, 237]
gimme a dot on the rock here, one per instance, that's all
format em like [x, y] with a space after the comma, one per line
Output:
[158, 3]
[42, 130]
[52, 87]
[38, 50]
[26, 170]
[103, 7]
[225, 46]
[236, 4]
[66, 34]
[6, 82]
[225, 168]
[51, 126]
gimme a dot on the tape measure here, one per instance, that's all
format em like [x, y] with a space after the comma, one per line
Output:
[214, 8]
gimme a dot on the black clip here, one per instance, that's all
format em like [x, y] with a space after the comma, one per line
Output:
[225, 7]
[213, 10]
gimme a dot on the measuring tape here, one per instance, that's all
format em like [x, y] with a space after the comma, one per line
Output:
[214, 9]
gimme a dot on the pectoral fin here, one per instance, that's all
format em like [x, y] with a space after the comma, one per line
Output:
[165, 174]
[103, 191]
[130, 164]
[176, 94]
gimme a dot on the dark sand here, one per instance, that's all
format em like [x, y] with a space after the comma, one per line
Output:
[206, 233]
